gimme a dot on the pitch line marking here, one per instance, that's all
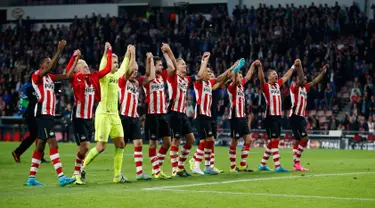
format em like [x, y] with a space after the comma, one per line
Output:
[272, 195]
[254, 179]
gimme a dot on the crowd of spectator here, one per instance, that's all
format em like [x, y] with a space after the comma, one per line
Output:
[342, 37]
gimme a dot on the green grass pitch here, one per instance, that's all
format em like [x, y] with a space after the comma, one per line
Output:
[337, 178]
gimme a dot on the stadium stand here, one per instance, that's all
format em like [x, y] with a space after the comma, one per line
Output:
[342, 37]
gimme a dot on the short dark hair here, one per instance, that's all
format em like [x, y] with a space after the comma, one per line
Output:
[156, 59]
[42, 59]
[269, 72]
[179, 59]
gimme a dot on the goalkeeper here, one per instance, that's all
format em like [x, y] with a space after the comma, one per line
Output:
[107, 119]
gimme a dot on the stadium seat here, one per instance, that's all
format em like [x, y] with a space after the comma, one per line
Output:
[322, 120]
[320, 113]
[312, 112]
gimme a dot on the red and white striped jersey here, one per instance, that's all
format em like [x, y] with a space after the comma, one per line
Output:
[83, 108]
[129, 94]
[237, 99]
[273, 98]
[177, 88]
[45, 92]
[203, 96]
[298, 96]
[155, 93]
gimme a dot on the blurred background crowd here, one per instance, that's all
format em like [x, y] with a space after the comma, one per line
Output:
[342, 37]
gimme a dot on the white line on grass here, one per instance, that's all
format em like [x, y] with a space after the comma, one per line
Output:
[255, 179]
[271, 195]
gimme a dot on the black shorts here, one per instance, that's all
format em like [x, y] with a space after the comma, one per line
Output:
[45, 125]
[298, 124]
[32, 126]
[180, 124]
[214, 127]
[132, 128]
[205, 129]
[273, 126]
[83, 130]
[157, 126]
[238, 127]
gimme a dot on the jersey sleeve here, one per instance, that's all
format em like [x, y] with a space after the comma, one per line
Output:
[123, 68]
[213, 81]
[141, 79]
[244, 80]
[280, 82]
[231, 87]
[307, 86]
[36, 78]
[52, 76]
[121, 82]
[164, 75]
[264, 88]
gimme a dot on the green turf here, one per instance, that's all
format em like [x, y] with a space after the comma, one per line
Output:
[259, 189]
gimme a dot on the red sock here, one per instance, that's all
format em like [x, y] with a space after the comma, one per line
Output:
[35, 163]
[78, 164]
[302, 145]
[198, 156]
[212, 161]
[138, 159]
[55, 158]
[161, 155]
[207, 152]
[232, 157]
[267, 153]
[244, 154]
[295, 147]
[184, 154]
[174, 158]
[199, 152]
[154, 160]
[275, 153]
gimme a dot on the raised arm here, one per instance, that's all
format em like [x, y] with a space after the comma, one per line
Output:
[204, 62]
[108, 66]
[224, 77]
[300, 74]
[260, 73]
[169, 57]
[320, 76]
[68, 75]
[103, 61]
[152, 74]
[250, 73]
[71, 62]
[60, 48]
[132, 63]
[288, 74]
[125, 63]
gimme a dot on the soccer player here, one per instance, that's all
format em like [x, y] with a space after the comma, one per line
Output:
[216, 90]
[203, 94]
[107, 118]
[129, 95]
[238, 120]
[178, 84]
[298, 95]
[44, 86]
[86, 90]
[156, 124]
[27, 104]
[271, 92]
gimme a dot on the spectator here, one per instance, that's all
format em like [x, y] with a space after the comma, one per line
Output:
[319, 99]
[371, 124]
[355, 98]
[372, 106]
[328, 95]
[333, 123]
